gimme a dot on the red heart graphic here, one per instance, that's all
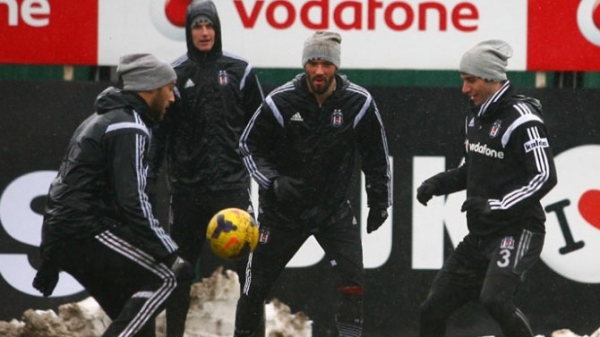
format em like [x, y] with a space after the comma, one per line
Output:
[175, 11]
[589, 207]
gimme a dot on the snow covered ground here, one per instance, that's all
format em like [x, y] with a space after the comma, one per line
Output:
[211, 314]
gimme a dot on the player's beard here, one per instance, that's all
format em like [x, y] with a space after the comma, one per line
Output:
[158, 106]
[321, 87]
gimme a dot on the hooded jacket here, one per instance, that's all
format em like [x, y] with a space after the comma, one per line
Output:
[508, 162]
[101, 182]
[292, 135]
[217, 95]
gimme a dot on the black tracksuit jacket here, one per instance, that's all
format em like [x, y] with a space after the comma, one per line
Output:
[217, 95]
[291, 135]
[102, 179]
[508, 161]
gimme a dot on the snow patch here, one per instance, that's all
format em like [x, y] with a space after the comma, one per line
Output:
[569, 333]
[211, 314]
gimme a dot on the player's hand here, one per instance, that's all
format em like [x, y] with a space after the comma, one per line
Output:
[376, 218]
[46, 278]
[287, 189]
[425, 192]
[184, 271]
[476, 205]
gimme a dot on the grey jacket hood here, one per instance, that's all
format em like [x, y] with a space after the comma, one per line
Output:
[114, 98]
[208, 8]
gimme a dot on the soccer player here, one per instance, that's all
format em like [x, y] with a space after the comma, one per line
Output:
[217, 94]
[98, 224]
[301, 148]
[508, 168]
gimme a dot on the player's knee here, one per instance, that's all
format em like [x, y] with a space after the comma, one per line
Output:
[183, 270]
[430, 312]
[425, 309]
[352, 290]
[497, 306]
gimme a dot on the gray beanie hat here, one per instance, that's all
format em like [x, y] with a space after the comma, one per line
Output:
[324, 46]
[140, 72]
[201, 18]
[487, 60]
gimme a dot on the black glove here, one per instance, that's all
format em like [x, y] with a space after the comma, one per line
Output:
[376, 218]
[476, 205]
[287, 189]
[425, 192]
[46, 278]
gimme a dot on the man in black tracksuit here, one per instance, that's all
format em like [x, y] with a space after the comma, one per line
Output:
[217, 95]
[301, 148]
[98, 224]
[508, 168]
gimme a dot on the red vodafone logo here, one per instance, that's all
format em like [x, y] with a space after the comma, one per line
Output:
[168, 16]
[175, 11]
[359, 15]
[588, 20]
[596, 15]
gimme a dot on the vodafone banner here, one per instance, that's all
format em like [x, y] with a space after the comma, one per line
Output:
[48, 32]
[377, 34]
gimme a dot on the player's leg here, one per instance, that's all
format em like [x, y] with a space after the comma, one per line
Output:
[191, 213]
[511, 257]
[238, 199]
[149, 330]
[275, 249]
[497, 297]
[340, 239]
[458, 282]
[188, 230]
[179, 303]
[130, 286]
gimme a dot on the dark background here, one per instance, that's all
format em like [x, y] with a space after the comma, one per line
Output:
[38, 118]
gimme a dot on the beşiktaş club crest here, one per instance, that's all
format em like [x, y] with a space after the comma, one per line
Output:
[495, 128]
[264, 236]
[337, 118]
[508, 242]
[223, 77]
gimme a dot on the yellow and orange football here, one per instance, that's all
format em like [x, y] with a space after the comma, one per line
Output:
[232, 233]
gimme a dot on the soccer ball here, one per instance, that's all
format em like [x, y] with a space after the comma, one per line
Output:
[232, 233]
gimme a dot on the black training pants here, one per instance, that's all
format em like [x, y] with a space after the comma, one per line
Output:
[190, 213]
[484, 269]
[339, 238]
[129, 284]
